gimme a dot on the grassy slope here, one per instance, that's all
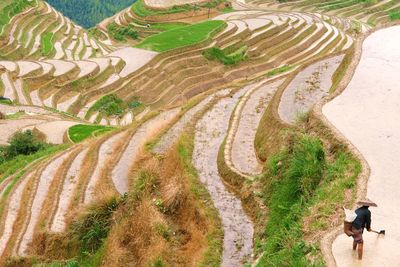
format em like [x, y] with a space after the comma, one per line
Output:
[183, 36]
[304, 186]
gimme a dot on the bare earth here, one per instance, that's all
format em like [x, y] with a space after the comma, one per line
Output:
[368, 114]
[238, 229]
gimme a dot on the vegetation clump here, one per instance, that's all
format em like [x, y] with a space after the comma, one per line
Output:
[215, 53]
[47, 43]
[394, 15]
[183, 36]
[5, 101]
[112, 105]
[280, 70]
[120, 33]
[22, 143]
[80, 132]
[298, 183]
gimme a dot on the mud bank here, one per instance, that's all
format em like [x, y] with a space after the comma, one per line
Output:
[368, 114]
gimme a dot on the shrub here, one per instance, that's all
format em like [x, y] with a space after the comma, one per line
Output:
[109, 105]
[23, 143]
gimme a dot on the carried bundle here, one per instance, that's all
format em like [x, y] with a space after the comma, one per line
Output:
[349, 218]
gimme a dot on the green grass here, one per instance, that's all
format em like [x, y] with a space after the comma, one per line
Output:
[297, 181]
[15, 115]
[167, 26]
[280, 70]
[80, 132]
[215, 53]
[47, 43]
[394, 15]
[5, 101]
[183, 36]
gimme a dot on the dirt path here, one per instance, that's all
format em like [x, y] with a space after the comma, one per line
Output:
[307, 88]
[368, 114]
[120, 173]
[238, 229]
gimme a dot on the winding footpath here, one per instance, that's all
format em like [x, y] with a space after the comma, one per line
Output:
[368, 114]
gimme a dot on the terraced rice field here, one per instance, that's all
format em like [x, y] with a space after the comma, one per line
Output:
[69, 83]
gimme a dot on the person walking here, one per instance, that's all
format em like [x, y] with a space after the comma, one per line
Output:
[363, 220]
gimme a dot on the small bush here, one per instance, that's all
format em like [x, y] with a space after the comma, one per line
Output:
[23, 143]
[109, 105]
[93, 228]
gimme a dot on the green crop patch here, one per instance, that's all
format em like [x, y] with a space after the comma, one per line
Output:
[47, 43]
[80, 132]
[215, 53]
[183, 36]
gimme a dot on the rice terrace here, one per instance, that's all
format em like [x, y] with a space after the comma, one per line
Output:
[199, 133]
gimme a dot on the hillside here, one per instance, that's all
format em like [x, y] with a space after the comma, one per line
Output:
[87, 13]
[194, 133]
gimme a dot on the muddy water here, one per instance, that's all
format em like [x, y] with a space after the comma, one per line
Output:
[66, 195]
[307, 88]
[368, 114]
[238, 229]
[175, 131]
[42, 190]
[105, 153]
[120, 173]
[12, 213]
[243, 152]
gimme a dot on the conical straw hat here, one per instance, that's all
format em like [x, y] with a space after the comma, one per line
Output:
[367, 202]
